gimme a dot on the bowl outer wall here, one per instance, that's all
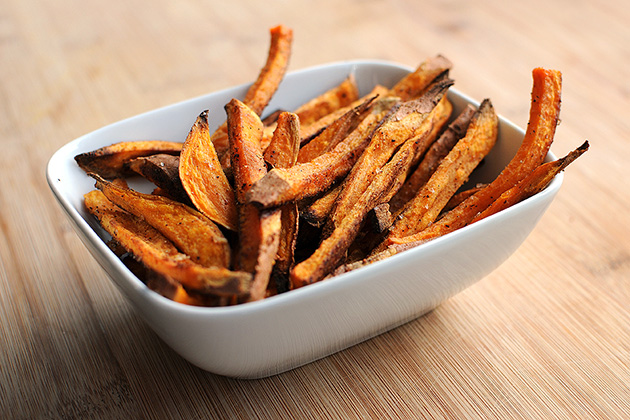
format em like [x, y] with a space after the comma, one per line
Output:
[282, 332]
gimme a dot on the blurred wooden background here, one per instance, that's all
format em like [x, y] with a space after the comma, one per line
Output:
[547, 335]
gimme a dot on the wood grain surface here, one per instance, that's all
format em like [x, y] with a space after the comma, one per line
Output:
[545, 336]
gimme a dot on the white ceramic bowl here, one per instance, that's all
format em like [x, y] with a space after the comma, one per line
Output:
[282, 332]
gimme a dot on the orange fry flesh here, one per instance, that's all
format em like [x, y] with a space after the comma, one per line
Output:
[536, 181]
[110, 161]
[271, 74]
[283, 153]
[412, 85]
[326, 258]
[335, 132]
[167, 286]
[450, 174]
[284, 147]
[262, 90]
[259, 231]
[193, 233]
[410, 119]
[459, 198]
[438, 150]
[159, 254]
[248, 164]
[544, 114]
[282, 185]
[338, 97]
[203, 178]
[308, 131]
[317, 212]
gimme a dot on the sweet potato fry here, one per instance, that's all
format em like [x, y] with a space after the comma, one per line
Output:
[285, 255]
[452, 172]
[270, 226]
[438, 150]
[271, 74]
[167, 286]
[407, 88]
[160, 255]
[382, 218]
[203, 178]
[259, 231]
[283, 150]
[535, 182]
[413, 84]
[163, 285]
[111, 161]
[245, 131]
[283, 153]
[411, 119]
[262, 90]
[385, 184]
[312, 178]
[459, 198]
[335, 132]
[191, 232]
[308, 131]
[163, 171]
[543, 119]
[317, 212]
[345, 268]
[342, 95]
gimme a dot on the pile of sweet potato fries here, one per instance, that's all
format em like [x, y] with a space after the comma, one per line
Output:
[258, 207]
